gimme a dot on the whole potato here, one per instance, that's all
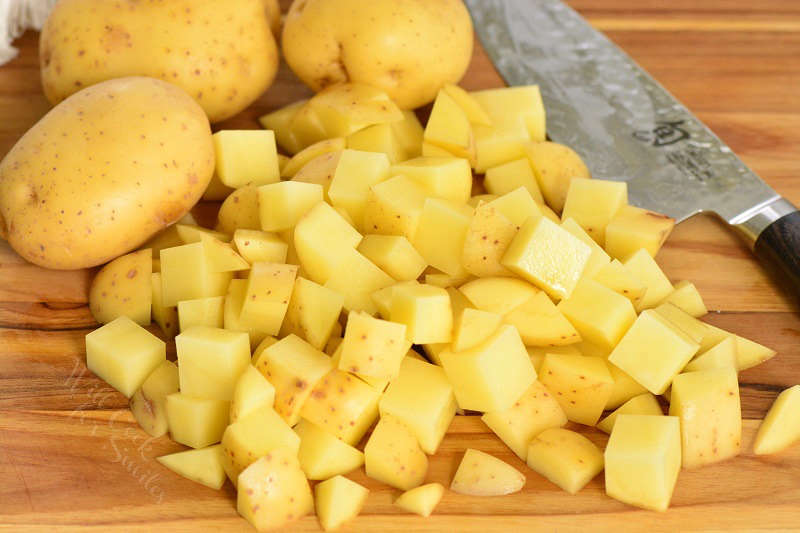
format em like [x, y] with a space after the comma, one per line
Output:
[222, 53]
[408, 48]
[103, 171]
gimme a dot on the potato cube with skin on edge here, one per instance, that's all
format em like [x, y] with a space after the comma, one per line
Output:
[644, 404]
[246, 157]
[555, 166]
[185, 274]
[598, 258]
[421, 500]
[394, 207]
[537, 353]
[621, 280]
[492, 375]
[447, 178]
[440, 234]
[122, 288]
[722, 355]
[196, 422]
[338, 500]
[498, 295]
[449, 129]
[273, 491]
[625, 387]
[356, 278]
[392, 455]
[252, 391]
[481, 474]
[646, 270]
[123, 354]
[202, 466]
[500, 143]
[210, 361]
[323, 239]
[378, 138]
[600, 315]
[541, 323]
[686, 297]
[373, 347]
[634, 228]
[593, 204]
[504, 178]
[322, 455]
[207, 312]
[348, 107]
[232, 312]
[781, 427]
[533, 412]
[707, 403]
[565, 458]
[343, 405]
[254, 436]
[320, 170]
[643, 459]
[239, 210]
[695, 329]
[426, 312]
[517, 206]
[580, 384]
[473, 326]
[548, 256]
[269, 288]
[409, 133]
[304, 156]
[312, 313]
[259, 246]
[356, 172]
[487, 238]
[422, 398]
[281, 205]
[165, 317]
[149, 402]
[653, 351]
[394, 255]
[221, 256]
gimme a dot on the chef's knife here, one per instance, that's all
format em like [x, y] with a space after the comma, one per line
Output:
[627, 127]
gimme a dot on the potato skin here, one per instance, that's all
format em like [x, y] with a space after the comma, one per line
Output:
[103, 171]
[222, 53]
[408, 48]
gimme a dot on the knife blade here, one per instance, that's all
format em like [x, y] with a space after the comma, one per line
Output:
[627, 127]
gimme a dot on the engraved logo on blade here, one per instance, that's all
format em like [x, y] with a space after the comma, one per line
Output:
[664, 134]
[690, 159]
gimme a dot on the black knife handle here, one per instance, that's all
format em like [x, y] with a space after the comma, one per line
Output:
[778, 246]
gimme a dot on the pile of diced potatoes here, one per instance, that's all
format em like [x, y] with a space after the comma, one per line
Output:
[373, 282]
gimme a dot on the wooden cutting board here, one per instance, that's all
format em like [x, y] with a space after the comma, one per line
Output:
[72, 457]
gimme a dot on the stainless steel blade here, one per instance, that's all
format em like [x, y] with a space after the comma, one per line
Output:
[622, 122]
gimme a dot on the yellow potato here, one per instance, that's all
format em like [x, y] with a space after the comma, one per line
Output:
[410, 50]
[122, 288]
[104, 171]
[195, 44]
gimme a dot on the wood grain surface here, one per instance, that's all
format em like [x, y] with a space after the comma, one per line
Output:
[71, 456]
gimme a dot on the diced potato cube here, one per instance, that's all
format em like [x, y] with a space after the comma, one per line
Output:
[621, 280]
[633, 229]
[625, 388]
[283, 204]
[408, 133]
[598, 259]
[356, 278]
[645, 269]
[322, 455]
[239, 211]
[644, 404]
[481, 474]
[394, 207]
[750, 353]
[486, 240]
[540, 323]
[320, 170]
[537, 353]
[252, 391]
[653, 351]
[490, 376]
[643, 459]
[166, 317]
[273, 491]
[498, 295]
[440, 234]
[373, 347]
[202, 466]
[356, 172]
[394, 255]
[269, 288]
[293, 367]
[354, 404]
[210, 361]
[185, 274]
[232, 312]
[548, 256]
[473, 326]
[566, 458]
[191, 233]
[500, 143]
[304, 156]
[149, 402]
[123, 354]
[306, 128]
[279, 121]
[707, 403]
[312, 313]
[426, 312]
[600, 315]
[259, 246]
[447, 178]
[201, 312]
[781, 427]
[555, 166]
[338, 500]
[422, 398]
[196, 422]
[377, 138]
[533, 412]
[246, 157]
[695, 329]
[345, 108]
[471, 108]
[433, 150]
[721, 355]
[221, 257]
[507, 177]
[393, 456]
[580, 384]
[383, 298]
[421, 500]
[448, 128]
[523, 103]
[445, 281]
[593, 204]
[517, 205]
[686, 297]
[322, 239]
